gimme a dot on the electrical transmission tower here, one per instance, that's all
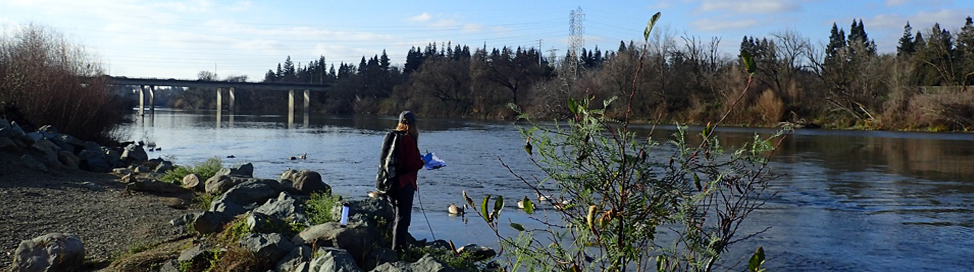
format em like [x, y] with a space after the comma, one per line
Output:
[576, 31]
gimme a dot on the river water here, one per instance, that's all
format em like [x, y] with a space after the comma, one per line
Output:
[847, 200]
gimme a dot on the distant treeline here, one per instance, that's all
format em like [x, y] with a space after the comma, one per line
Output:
[924, 85]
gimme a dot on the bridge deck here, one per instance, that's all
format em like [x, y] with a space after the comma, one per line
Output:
[218, 84]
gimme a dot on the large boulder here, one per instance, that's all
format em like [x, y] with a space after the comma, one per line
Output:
[427, 263]
[47, 150]
[192, 182]
[370, 210]
[304, 182]
[94, 160]
[267, 246]
[68, 159]
[380, 256]
[51, 252]
[298, 255]
[218, 184]
[114, 158]
[284, 207]
[210, 222]
[478, 252]
[262, 223]
[245, 170]
[250, 193]
[163, 166]
[333, 260]
[358, 238]
[133, 154]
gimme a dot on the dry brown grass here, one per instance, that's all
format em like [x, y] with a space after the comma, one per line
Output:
[943, 111]
[769, 108]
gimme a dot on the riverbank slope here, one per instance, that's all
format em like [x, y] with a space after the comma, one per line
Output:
[95, 206]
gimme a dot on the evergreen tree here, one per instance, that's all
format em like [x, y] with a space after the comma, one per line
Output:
[279, 74]
[836, 43]
[965, 53]
[384, 62]
[906, 47]
[289, 71]
[270, 76]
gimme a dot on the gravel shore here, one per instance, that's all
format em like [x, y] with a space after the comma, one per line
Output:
[95, 206]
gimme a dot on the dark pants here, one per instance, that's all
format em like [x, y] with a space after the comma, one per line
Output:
[402, 201]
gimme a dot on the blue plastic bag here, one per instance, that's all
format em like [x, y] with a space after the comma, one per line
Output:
[432, 162]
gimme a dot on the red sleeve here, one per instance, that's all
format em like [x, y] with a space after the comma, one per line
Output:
[408, 157]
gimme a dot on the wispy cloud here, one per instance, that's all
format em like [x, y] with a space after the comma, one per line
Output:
[723, 25]
[471, 28]
[241, 6]
[947, 18]
[425, 17]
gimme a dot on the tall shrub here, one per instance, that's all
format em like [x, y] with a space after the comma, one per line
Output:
[43, 82]
[629, 203]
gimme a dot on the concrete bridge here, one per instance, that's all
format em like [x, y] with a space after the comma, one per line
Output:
[147, 88]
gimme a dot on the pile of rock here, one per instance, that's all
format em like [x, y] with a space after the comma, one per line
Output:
[46, 148]
[266, 205]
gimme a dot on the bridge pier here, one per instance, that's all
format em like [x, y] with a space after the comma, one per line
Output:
[152, 101]
[307, 107]
[219, 99]
[232, 97]
[290, 108]
[142, 100]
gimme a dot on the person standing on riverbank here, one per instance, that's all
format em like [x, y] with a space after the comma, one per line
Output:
[401, 146]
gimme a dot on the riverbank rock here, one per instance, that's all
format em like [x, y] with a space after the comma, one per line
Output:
[267, 246]
[133, 154]
[245, 170]
[480, 253]
[192, 182]
[285, 208]
[51, 252]
[305, 182]
[333, 259]
[358, 238]
[427, 263]
[298, 255]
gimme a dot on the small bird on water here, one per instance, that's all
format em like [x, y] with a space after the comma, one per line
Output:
[528, 147]
[454, 209]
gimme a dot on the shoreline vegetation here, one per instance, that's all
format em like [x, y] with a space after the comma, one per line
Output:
[845, 84]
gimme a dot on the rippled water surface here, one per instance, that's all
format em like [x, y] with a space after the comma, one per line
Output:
[847, 200]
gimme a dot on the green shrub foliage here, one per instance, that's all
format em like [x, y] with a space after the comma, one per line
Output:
[628, 202]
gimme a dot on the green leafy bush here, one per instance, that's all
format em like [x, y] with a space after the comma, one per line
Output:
[319, 208]
[624, 190]
[206, 170]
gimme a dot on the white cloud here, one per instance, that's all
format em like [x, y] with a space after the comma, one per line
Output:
[949, 19]
[420, 18]
[749, 6]
[722, 25]
[445, 23]
[471, 28]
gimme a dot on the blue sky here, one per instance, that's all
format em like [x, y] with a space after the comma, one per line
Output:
[177, 38]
